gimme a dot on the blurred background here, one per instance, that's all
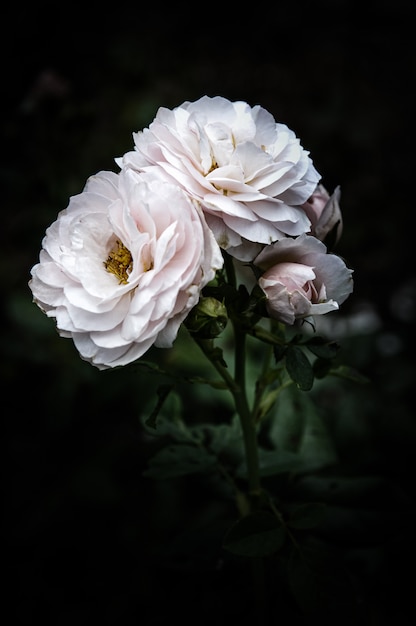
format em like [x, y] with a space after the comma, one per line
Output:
[84, 530]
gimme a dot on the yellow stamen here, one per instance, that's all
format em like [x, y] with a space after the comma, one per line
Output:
[119, 262]
[214, 165]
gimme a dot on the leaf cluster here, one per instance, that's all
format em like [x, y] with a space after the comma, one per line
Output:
[275, 369]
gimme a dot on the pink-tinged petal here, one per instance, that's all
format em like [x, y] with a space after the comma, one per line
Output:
[325, 214]
[301, 279]
[214, 149]
[121, 272]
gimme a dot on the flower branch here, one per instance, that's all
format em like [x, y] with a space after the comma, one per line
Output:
[216, 217]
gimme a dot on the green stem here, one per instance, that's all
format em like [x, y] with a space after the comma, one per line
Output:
[261, 383]
[206, 346]
[248, 424]
[237, 387]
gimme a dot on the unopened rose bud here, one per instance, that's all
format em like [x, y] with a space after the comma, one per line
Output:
[325, 214]
[301, 279]
[208, 318]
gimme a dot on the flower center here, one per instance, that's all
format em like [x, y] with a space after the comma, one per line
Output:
[119, 262]
[214, 165]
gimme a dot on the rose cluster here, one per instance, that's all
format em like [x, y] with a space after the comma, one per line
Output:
[125, 263]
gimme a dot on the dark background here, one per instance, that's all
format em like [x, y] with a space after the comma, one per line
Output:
[84, 530]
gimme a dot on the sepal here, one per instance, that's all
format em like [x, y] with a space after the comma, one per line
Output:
[208, 318]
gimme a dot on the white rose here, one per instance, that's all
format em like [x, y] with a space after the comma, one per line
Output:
[250, 173]
[301, 279]
[123, 265]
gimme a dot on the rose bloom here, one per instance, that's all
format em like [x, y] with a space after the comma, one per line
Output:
[123, 265]
[325, 214]
[250, 173]
[301, 279]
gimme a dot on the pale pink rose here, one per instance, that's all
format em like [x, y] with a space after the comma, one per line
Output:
[301, 279]
[123, 265]
[325, 214]
[250, 173]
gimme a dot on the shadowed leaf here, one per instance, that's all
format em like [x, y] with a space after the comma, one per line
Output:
[257, 535]
[179, 460]
[299, 368]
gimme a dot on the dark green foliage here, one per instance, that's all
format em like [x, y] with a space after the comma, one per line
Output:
[259, 534]
[299, 368]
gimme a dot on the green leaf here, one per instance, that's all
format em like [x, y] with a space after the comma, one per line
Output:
[259, 534]
[216, 384]
[273, 462]
[345, 371]
[307, 515]
[321, 347]
[321, 367]
[316, 447]
[152, 367]
[299, 368]
[279, 352]
[214, 353]
[267, 402]
[264, 335]
[183, 354]
[296, 426]
[179, 460]
[224, 437]
[169, 421]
